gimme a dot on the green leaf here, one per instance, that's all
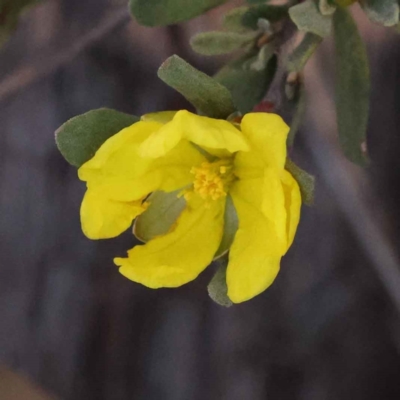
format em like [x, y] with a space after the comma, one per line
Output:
[352, 86]
[10, 11]
[231, 224]
[205, 93]
[326, 7]
[217, 288]
[167, 12]
[263, 11]
[305, 180]
[215, 43]
[384, 12]
[258, 1]
[298, 109]
[303, 52]
[308, 18]
[233, 19]
[80, 137]
[161, 214]
[248, 86]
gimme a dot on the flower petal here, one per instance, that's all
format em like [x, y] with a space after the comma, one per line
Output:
[111, 157]
[206, 132]
[267, 135]
[179, 256]
[102, 218]
[292, 204]
[257, 249]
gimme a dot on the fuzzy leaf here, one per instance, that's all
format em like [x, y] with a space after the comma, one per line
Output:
[231, 224]
[215, 43]
[167, 12]
[204, 92]
[303, 52]
[352, 86]
[384, 12]
[233, 19]
[247, 85]
[298, 109]
[308, 18]
[270, 13]
[326, 7]
[305, 180]
[160, 216]
[79, 138]
[217, 288]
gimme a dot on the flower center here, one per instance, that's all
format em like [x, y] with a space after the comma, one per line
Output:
[212, 180]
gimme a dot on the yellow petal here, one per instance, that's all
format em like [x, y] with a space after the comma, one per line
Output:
[120, 173]
[257, 249]
[206, 132]
[273, 205]
[113, 153]
[267, 135]
[179, 256]
[292, 204]
[102, 218]
[211, 133]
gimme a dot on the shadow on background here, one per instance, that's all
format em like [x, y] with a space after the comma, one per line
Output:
[327, 329]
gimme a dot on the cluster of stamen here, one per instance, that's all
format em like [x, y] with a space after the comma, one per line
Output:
[212, 180]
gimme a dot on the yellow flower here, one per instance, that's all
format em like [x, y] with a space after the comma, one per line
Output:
[207, 160]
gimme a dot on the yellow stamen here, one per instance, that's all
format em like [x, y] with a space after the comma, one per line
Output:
[212, 180]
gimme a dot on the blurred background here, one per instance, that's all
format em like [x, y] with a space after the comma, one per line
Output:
[329, 327]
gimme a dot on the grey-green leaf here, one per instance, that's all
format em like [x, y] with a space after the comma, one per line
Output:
[352, 86]
[217, 288]
[247, 85]
[205, 93]
[298, 106]
[308, 18]
[167, 12]
[80, 137]
[161, 214]
[303, 52]
[215, 43]
[272, 13]
[384, 12]
[231, 224]
[233, 19]
[326, 7]
[305, 180]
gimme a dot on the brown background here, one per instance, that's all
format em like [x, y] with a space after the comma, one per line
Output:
[327, 329]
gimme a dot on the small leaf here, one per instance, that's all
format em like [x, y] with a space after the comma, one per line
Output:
[326, 7]
[298, 109]
[231, 224]
[215, 43]
[217, 288]
[204, 92]
[258, 1]
[308, 18]
[352, 86]
[305, 180]
[248, 86]
[384, 12]
[263, 11]
[303, 52]
[167, 12]
[161, 214]
[233, 19]
[80, 137]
